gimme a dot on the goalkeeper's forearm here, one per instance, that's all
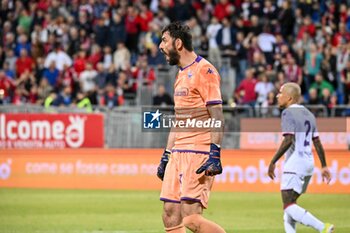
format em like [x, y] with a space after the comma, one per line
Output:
[217, 115]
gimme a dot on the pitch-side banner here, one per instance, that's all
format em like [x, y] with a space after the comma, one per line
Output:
[135, 169]
[51, 130]
[257, 133]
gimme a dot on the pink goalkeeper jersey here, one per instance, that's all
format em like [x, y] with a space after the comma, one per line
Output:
[197, 85]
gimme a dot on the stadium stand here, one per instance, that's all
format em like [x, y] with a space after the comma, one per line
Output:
[58, 53]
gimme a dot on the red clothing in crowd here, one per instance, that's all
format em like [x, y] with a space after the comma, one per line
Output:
[7, 85]
[145, 19]
[222, 10]
[311, 29]
[23, 64]
[79, 65]
[247, 89]
[146, 77]
[132, 24]
[94, 59]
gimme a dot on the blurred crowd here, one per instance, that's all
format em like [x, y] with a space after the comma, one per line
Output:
[99, 52]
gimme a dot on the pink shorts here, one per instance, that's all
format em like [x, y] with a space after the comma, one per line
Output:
[181, 183]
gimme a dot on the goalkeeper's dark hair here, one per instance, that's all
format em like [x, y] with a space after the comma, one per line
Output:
[177, 30]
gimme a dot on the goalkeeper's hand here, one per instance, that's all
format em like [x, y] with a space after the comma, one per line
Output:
[212, 166]
[163, 162]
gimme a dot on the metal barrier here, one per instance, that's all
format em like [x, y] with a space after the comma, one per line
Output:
[123, 125]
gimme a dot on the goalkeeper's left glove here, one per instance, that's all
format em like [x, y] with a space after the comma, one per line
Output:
[163, 162]
[212, 166]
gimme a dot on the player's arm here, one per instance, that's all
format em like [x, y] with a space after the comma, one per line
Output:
[326, 175]
[286, 143]
[165, 157]
[213, 166]
[216, 114]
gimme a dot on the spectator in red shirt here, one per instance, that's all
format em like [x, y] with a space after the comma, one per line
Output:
[24, 62]
[146, 16]
[223, 9]
[132, 25]
[80, 61]
[342, 36]
[95, 56]
[7, 87]
[245, 92]
[307, 26]
[144, 74]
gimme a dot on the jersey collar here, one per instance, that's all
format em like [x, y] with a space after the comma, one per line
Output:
[198, 59]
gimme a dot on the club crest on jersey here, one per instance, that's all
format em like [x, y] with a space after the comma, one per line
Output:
[189, 74]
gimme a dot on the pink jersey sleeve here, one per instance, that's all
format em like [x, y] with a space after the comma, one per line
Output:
[209, 85]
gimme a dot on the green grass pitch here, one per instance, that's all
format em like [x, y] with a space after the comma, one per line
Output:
[85, 211]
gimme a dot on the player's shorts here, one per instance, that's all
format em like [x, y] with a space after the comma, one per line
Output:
[181, 183]
[296, 182]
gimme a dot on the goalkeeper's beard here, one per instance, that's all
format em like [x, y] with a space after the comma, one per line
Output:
[174, 57]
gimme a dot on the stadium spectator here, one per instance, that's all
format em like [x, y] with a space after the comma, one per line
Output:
[262, 88]
[83, 102]
[345, 81]
[162, 98]
[245, 92]
[317, 35]
[196, 32]
[79, 62]
[87, 79]
[24, 63]
[292, 71]
[22, 43]
[313, 59]
[44, 90]
[320, 84]
[65, 98]
[101, 31]
[58, 56]
[313, 97]
[112, 75]
[52, 74]
[117, 32]
[111, 97]
[155, 58]
[95, 56]
[8, 72]
[286, 20]
[101, 76]
[74, 43]
[214, 54]
[241, 55]
[307, 26]
[226, 36]
[223, 9]
[266, 42]
[143, 74]
[121, 57]
[132, 27]
[161, 20]
[7, 87]
[107, 57]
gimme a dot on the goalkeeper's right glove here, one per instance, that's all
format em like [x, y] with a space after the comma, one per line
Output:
[163, 162]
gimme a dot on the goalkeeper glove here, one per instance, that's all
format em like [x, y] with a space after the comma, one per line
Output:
[163, 162]
[212, 166]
